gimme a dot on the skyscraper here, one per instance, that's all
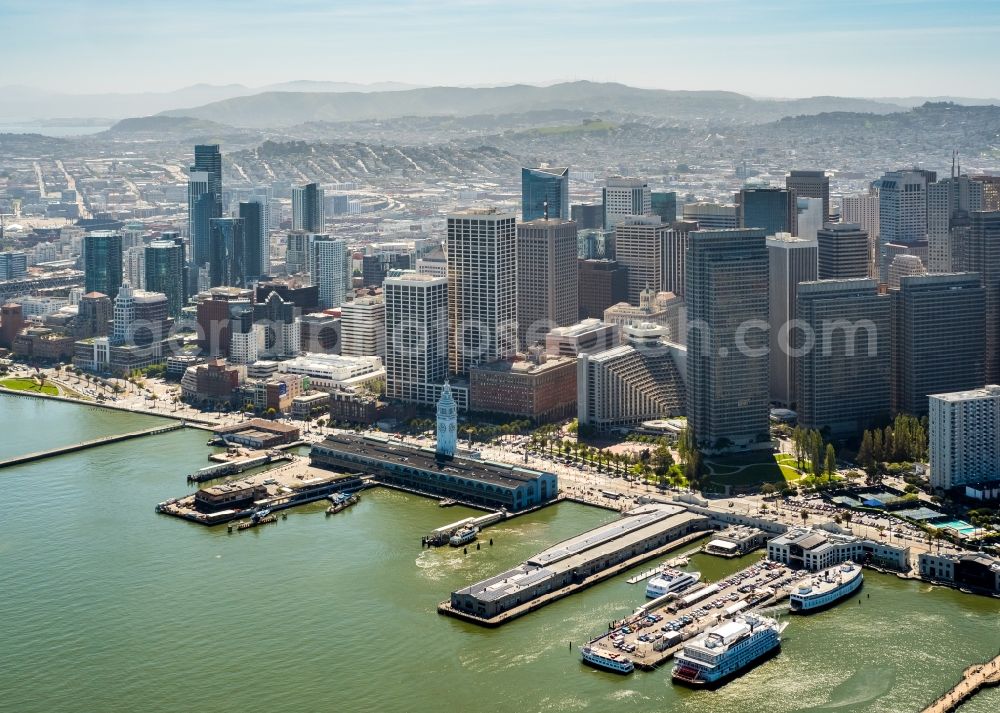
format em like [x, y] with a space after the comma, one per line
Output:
[547, 290]
[13, 265]
[964, 437]
[330, 268]
[102, 262]
[901, 266]
[482, 288]
[773, 210]
[625, 197]
[639, 242]
[544, 193]
[675, 245]
[587, 216]
[134, 266]
[362, 327]
[811, 184]
[416, 335]
[256, 261]
[204, 199]
[842, 250]
[982, 255]
[842, 378]
[937, 338]
[727, 363]
[902, 214]
[791, 261]
[664, 204]
[711, 216]
[950, 203]
[308, 208]
[602, 283]
[164, 273]
[227, 253]
[297, 249]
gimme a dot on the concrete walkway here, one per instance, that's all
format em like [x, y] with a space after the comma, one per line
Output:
[973, 678]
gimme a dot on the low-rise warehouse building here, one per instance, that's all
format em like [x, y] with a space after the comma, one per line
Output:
[977, 571]
[474, 482]
[736, 540]
[572, 561]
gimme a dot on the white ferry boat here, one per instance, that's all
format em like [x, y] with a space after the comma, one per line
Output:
[670, 581]
[725, 650]
[463, 536]
[608, 661]
[826, 588]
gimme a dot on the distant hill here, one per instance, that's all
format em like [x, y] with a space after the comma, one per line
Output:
[21, 103]
[283, 109]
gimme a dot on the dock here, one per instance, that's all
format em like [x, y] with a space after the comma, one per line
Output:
[973, 678]
[441, 535]
[289, 485]
[84, 445]
[236, 466]
[661, 621]
[678, 561]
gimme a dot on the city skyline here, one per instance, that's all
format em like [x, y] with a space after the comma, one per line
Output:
[421, 44]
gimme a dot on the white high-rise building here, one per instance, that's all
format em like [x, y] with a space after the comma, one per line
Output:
[902, 214]
[362, 327]
[330, 269]
[950, 202]
[134, 267]
[416, 333]
[624, 197]
[810, 217]
[244, 347]
[964, 437]
[482, 288]
[790, 261]
[901, 266]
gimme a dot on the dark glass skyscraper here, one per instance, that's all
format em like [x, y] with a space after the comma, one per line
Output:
[255, 225]
[102, 262]
[544, 192]
[204, 199]
[727, 363]
[772, 210]
[308, 208]
[665, 206]
[227, 253]
[165, 272]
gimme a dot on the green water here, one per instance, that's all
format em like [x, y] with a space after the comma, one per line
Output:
[107, 606]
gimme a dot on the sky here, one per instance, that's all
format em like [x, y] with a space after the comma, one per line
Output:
[776, 48]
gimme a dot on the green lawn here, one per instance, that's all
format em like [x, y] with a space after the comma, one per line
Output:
[29, 385]
[752, 469]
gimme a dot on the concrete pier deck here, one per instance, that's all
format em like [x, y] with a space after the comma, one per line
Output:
[973, 678]
[555, 595]
[84, 445]
[762, 586]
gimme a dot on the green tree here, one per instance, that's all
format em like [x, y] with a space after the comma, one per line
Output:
[831, 461]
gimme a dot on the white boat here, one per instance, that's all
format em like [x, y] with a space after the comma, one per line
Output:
[826, 588]
[724, 651]
[463, 536]
[670, 581]
[606, 660]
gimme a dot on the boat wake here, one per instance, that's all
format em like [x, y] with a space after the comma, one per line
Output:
[863, 687]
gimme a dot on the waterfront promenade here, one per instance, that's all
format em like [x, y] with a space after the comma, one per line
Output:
[84, 445]
[973, 678]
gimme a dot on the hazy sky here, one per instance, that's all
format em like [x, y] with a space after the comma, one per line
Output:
[763, 47]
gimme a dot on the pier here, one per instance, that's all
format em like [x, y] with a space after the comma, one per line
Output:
[973, 678]
[657, 629]
[84, 445]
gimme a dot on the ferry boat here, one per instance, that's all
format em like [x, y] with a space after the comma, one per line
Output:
[341, 501]
[826, 588]
[608, 661]
[724, 651]
[463, 536]
[670, 581]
